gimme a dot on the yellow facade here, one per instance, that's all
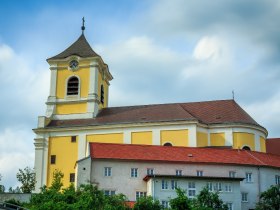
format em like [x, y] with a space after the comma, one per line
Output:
[76, 108]
[64, 74]
[243, 139]
[175, 137]
[116, 138]
[262, 143]
[217, 139]
[202, 139]
[66, 153]
[142, 138]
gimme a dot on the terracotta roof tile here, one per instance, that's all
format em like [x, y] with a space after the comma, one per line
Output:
[182, 154]
[209, 112]
[273, 146]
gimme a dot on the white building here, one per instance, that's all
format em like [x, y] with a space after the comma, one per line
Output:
[138, 170]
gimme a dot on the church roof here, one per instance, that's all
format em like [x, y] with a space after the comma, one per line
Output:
[190, 155]
[80, 48]
[208, 112]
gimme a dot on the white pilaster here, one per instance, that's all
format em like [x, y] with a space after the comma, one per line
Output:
[228, 137]
[192, 136]
[127, 137]
[257, 142]
[156, 136]
[82, 146]
[93, 89]
[52, 96]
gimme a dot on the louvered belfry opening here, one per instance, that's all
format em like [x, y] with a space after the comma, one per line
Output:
[73, 86]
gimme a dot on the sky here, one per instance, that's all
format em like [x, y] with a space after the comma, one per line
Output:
[158, 51]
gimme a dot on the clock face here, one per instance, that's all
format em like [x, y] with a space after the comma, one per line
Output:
[73, 64]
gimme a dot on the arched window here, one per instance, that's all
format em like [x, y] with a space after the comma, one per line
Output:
[102, 94]
[73, 86]
[168, 144]
[246, 148]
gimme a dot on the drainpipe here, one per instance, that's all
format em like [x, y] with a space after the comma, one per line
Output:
[259, 183]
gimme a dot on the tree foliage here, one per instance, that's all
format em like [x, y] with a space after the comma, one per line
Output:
[27, 179]
[181, 202]
[270, 199]
[147, 203]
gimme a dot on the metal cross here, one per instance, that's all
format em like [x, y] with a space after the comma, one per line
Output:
[83, 26]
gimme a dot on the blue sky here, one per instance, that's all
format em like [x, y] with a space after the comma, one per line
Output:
[158, 51]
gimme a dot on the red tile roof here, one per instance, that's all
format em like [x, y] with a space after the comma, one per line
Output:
[273, 146]
[209, 112]
[182, 154]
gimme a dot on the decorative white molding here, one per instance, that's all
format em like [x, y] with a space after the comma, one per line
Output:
[192, 136]
[82, 146]
[127, 137]
[156, 136]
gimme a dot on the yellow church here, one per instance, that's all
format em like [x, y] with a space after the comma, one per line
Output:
[77, 113]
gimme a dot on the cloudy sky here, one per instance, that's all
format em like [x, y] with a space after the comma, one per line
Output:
[159, 51]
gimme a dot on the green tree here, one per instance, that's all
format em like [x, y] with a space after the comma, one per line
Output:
[147, 203]
[181, 202]
[27, 179]
[2, 188]
[270, 199]
[207, 200]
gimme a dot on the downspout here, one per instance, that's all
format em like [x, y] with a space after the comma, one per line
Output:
[259, 183]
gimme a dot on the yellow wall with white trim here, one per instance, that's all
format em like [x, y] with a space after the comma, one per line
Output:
[243, 139]
[75, 108]
[217, 139]
[106, 138]
[175, 137]
[202, 139]
[101, 81]
[66, 156]
[142, 138]
[262, 144]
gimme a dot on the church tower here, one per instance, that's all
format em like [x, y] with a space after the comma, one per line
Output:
[79, 82]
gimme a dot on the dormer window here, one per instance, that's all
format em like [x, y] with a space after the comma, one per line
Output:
[102, 94]
[73, 86]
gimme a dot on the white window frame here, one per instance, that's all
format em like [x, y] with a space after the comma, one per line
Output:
[277, 179]
[191, 189]
[232, 174]
[150, 171]
[140, 194]
[210, 186]
[107, 171]
[230, 206]
[218, 187]
[179, 172]
[164, 184]
[174, 184]
[248, 177]
[228, 187]
[109, 192]
[165, 204]
[244, 197]
[134, 172]
[199, 173]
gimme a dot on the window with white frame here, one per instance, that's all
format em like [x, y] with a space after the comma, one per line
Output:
[232, 174]
[210, 186]
[174, 184]
[218, 187]
[107, 171]
[134, 172]
[199, 173]
[230, 206]
[191, 189]
[277, 179]
[178, 172]
[244, 197]
[165, 204]
[150, 171]
[228, 187]
[140, 194]
[109, 192]
[248, 177]
[164, 184]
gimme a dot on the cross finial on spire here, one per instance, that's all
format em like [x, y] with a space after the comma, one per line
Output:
[83, 26]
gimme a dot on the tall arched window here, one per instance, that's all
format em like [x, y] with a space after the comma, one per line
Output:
[73, 86]
[102, 94]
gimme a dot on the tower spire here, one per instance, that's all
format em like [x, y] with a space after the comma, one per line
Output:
[83, 26]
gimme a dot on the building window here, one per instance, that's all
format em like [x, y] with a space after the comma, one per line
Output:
[107, 171]
[109, 192]
[72, 177]
[191, 189]
[174, 184]
[140, 194]
[232, 174]
[218, 187]
[53, 159]
[230, 206]
[164, 184]
[277, 179]
[246, 148]
[178, 172]
[168, 144]
[244, 197]
[102, 94]
[150, 171]
[165, 204]
[210, 186]
[199, 173]
[228, 187]
[248, 177]
[134, 172]
[73, 139]
[73, 86]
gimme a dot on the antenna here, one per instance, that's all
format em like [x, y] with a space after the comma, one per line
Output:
[83, 26]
